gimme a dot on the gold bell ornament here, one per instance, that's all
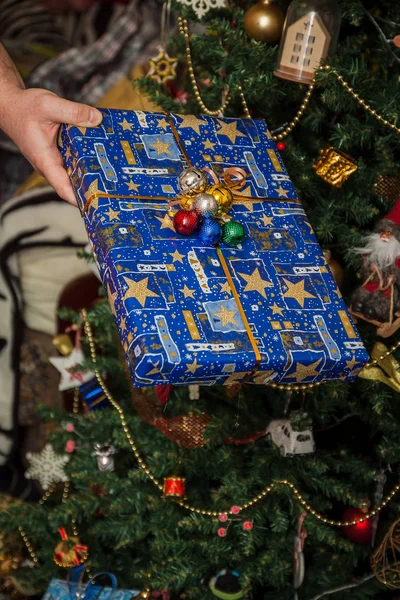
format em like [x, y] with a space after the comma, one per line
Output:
[263, 22]
[223, 197]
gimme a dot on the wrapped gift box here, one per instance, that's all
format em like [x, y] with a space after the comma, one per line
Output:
[267, 311]
[60, 590]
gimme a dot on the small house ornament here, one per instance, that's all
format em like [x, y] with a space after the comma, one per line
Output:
[310, 33]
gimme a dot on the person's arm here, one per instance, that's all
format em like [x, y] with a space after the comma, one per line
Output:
[31, 118]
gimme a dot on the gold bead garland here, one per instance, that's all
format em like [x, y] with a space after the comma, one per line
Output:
[255, 499]
[28, 545]
[184, 31]
[360, 101]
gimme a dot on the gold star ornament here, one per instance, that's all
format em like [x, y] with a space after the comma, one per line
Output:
[162, 67]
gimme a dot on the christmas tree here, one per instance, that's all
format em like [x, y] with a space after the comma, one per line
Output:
[246, 497]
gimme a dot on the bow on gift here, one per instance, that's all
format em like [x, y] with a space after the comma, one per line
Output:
[388, 371]
[234, 178]
[78, 591]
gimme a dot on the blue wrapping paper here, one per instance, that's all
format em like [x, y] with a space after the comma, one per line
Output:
[177, 316]
[60, 590]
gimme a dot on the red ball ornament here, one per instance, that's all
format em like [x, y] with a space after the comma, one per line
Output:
[360, 533]
[185, 222]
[281, 146]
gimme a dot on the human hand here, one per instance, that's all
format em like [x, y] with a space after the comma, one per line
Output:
[31, 118]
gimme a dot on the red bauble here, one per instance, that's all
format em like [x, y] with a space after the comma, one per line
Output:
[361, 532]
[281, 146]
[163, 393]
[185, 222]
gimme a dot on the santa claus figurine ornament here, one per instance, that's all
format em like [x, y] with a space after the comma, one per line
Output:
[377, 300]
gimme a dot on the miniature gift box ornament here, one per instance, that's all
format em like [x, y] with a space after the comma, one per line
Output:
[310, 33]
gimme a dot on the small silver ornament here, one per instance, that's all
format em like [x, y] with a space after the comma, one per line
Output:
[205, 205]
[193, 181]
[105, 456]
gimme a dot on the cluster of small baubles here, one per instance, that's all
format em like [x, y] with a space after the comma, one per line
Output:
[201, 207]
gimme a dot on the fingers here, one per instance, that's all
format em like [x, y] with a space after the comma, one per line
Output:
[59, 110]
[59, 180]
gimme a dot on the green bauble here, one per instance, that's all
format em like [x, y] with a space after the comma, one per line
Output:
[233, 233]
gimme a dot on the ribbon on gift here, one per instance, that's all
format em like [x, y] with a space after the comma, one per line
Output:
[234, 178]
[91, 591]
[388, 371]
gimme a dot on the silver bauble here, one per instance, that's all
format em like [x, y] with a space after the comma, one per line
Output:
[193, 181]
[205, 205]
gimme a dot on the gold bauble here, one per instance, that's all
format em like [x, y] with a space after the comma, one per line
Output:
[223, 196]
[335, 267]
[187, 203]
[263, 22]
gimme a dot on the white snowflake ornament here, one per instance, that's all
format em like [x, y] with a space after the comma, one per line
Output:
[67, 365]
[201, 7]
[46, 466]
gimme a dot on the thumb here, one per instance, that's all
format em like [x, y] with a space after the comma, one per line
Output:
[73, 113]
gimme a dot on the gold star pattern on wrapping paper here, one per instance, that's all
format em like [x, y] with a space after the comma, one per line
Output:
[126, 125]
[276, 310]
[112, 297]
[161, 147]
[162, 67]
[122, 324]
[226, 316]
[208, 145]
[92, 190]
[166, 222]
[155, 370]
[255, 283]
[297, 291]
[225, 287]
[177, 256]
[139, 290]
[68, 154]
[230, 130]
[132, 186]
[113, 215]
[304, 371]
[192, 368]
[163, 124]
[260, 377]
[187, 292]
[267, 220]
[282, 192]
[191, 122]
[350, 364]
